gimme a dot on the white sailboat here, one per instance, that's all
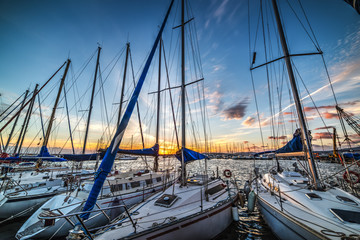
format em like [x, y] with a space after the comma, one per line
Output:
[196, 207]
[121, 188]
[297, 206]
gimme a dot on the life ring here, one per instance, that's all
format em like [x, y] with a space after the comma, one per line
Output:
[227, 173]
[351, 179]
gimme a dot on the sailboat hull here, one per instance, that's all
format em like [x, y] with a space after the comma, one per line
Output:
[201, 226]
[282, 226]
[293, 211]
[34, 228]
[24, 206]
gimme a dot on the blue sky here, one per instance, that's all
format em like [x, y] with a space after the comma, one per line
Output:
[38, 36]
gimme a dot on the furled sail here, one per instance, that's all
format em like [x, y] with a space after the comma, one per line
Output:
[44, 155]
[107, 162]
[153, 151]
[83, 157]
[190, 155]
[294, 145]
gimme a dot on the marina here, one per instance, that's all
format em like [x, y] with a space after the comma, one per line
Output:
[180, 119]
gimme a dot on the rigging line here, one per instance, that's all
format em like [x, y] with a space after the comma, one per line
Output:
[197, 48]
[329, 78]
[12, 111]
[272, 75]
[137, 108]
[202, 111]
[68, 117]
[89, 87]
[315, 44]
[103, 94]
[33, 96]
[252, 78]
[196, 122]
[41, 118]
[11, 105]
[77, 124]
[170, 96]
[256, 32]
[191, 121]
[307, 20]
[267, 72]
[312, 100]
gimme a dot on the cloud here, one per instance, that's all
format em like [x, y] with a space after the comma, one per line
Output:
[220, 11]
[320, 128]
[287, 113]
[323, 135]
[237, 111]
[217, 67]
[307, 119]
[279, 137]
[308, 109]
[249, 121]
[328, 115]
[215, 100]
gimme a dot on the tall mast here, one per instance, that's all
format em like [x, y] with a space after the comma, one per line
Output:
[304, 130]
[156, 160]
[21, 138]
[91, 100]
[16, 120]
[123, 83]
[52, 117]
[183, 142]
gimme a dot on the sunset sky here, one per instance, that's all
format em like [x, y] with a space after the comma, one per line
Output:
[38, 36]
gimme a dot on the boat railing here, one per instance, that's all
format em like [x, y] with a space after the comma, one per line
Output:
[15, 184]
[51, 217]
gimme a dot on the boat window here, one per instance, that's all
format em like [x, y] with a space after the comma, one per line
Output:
[135, 184]
[313, 196]
[148, 181]
[158, 179]
[347, 216]
[215, 189]
[346, 200]
[116, 187]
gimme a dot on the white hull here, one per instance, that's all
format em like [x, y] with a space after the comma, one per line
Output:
[183, 219]
[293, 211]
[282, 226]
[34, 228]
[204, 226]
[24, 203]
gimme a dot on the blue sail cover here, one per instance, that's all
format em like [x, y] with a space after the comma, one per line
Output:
[355, 156]
[107, 162]
[83, 157]
[153, 151]
[294, 145]
[190, 155]
[44, 155]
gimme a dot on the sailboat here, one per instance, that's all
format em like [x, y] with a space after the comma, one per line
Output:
[298, 206]
[23, 201]
[197, 207]
[120, 189]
